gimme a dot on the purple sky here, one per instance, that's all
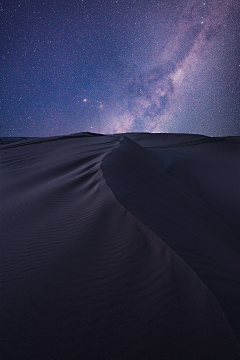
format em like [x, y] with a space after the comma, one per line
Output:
[120, 66]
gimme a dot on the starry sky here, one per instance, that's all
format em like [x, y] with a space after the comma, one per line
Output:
[113, 66]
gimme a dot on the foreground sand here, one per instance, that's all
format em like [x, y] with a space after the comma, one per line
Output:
[121, 246]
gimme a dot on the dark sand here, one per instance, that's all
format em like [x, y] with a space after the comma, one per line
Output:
[121, 246]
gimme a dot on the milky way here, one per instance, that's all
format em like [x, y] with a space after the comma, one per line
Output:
[120, 66]
[156, 96]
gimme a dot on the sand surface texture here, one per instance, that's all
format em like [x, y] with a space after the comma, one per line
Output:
[122, 246]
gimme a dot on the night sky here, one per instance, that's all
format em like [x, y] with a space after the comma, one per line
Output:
[107, 66]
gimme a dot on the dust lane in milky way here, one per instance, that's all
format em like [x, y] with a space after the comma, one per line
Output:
[156, 98]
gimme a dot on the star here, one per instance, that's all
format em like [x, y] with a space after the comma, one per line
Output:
[121, 65]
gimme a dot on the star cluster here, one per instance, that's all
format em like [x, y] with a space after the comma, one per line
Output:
[118, 66]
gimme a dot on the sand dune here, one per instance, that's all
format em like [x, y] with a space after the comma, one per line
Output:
[122, 246]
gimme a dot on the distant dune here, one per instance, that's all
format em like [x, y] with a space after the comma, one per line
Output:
[122, 246]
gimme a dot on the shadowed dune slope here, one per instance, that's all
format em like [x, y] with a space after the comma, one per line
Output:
[210, 165]
[188, 193]
[89, 272]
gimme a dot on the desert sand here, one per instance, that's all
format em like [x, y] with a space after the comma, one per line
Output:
[123, 246]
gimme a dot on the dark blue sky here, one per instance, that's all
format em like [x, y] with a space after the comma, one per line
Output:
[119, 66]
